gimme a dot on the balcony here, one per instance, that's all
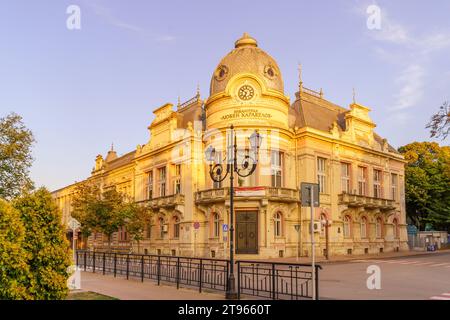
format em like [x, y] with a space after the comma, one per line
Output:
[165, 202]
[353, 200]
[257, 193]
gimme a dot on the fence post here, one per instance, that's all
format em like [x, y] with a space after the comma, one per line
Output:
[85, 260]
[239, 279]
[273, 281]
[317, 283]
[115, 264]
[200, 276]
[93, 263]
[128, 265]
[178, 273]
[104, 262]
[142, 268]
[159, 270]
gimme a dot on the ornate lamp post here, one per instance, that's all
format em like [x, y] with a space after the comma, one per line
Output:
[218, 173]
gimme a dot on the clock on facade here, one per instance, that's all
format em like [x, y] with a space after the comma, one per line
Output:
[246, 92]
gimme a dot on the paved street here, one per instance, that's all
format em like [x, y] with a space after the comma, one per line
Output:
[414, 277]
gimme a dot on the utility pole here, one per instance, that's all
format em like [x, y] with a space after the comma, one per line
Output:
[313, 262]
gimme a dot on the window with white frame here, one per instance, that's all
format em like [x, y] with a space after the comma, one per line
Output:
[176, 227]
[177, 179]
[321, 174]
[347, 226]
[345, 177]
[276, 161]
[394, 186]
[216, 225]
[277, 223]
[363, 227]
[149, 185]
[362, 180]
[377, 183]
[378, 226]
[162, 181]
[395, 226]
[161, 228]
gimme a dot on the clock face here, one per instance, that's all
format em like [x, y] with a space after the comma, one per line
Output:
[246, 92]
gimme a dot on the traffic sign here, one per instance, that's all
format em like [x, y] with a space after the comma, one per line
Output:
[225, 227]
[306, 194]
[74, 224]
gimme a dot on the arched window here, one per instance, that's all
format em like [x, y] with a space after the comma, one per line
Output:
[176, 227]
[378, 226]
[277, 223]
[395, 226]
[347, 226]
[363, 227]
[215, 225]
[161, 227]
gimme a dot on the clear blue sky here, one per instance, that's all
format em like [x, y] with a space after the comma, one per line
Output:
[81, 90]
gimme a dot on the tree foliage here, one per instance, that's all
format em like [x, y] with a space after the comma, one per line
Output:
[46, 244]
[16, 142]
[427, 184]
[137, 218]
[105, 211]
[439, 124]
[13, 256]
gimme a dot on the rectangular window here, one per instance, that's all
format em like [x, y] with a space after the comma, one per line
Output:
[148, 234]
[394, 186]
[123, 234]
[177, 182]
[162, 181]
[276, 168]
[345, 177]
[321, 174]
[362, 179]
[377, 183]
[149, 185]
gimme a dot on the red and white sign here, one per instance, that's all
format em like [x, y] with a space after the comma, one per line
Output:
[250, 191]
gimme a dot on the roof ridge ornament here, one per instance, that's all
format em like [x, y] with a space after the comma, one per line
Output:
[246, 41]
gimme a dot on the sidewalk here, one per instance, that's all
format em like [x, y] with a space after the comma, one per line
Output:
[134, 289]
[335, 259]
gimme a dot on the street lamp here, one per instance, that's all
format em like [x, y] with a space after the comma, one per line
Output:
[245, 168]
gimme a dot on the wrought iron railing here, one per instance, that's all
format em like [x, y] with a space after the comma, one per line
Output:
[268, 280]
[277, 281]
[186, 271]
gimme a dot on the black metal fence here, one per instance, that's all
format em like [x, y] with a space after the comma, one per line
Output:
[268, 280]
[190, 272]
[277, 281]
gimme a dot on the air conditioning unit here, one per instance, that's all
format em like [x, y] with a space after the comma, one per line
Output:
[165, 228]
[317, 226]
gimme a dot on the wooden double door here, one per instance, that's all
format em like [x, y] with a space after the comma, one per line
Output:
[246, 232]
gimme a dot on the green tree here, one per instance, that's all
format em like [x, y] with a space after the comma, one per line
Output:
[46, 244]
[98, 211]
[137, 217]
[13, 257]
[16, 142]
[427, 184]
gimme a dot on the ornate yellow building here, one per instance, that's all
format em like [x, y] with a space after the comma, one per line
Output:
[361, 177]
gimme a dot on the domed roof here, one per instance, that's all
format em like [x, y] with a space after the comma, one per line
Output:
[247, 58]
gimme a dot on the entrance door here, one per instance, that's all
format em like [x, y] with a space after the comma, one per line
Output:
[246, 232]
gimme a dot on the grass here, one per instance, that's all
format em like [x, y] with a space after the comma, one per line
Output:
[88, 295]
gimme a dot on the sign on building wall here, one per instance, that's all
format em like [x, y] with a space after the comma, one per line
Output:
[250, 191]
